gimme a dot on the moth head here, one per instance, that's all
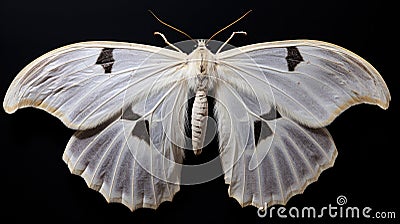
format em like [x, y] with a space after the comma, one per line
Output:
[201, 44]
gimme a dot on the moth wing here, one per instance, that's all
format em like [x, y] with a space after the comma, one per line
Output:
[125, 100]
[270, 168]
[311, 82]
[85, 84]
[135, 159]
[308, 83]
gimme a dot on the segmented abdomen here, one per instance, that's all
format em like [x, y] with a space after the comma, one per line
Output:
[199, 120]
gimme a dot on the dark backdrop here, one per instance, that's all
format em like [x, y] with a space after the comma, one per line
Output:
[36, 184]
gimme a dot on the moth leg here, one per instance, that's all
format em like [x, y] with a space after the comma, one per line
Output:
[233, 34]
[167, 42]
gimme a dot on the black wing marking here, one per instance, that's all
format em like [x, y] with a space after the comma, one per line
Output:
[293, 57]
[106, 59]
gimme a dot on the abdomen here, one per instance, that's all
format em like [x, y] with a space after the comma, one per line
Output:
[199, 120]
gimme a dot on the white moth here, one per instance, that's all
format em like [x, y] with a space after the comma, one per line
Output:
[128, 103]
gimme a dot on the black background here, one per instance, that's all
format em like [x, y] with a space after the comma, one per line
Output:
[36, 185]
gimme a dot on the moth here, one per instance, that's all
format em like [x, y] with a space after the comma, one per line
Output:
[128, 104]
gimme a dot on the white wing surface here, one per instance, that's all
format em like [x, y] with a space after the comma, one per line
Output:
[311, 82]
[84, 84]
[128, 105]
[273, 102]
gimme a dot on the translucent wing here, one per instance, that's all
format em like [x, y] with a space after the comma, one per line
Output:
[134, 159]
[84, 84]
[278, 163]
[311, 82]
[268, 158]
[123, 99]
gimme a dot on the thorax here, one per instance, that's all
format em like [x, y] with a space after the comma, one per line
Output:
[201, 67]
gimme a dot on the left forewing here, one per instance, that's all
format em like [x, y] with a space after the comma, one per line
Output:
[85, 84]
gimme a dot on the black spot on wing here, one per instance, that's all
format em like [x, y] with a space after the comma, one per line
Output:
[271, 115]
[261, 131]
[128, 114]
[141, 130]
[106, 59]
[261, 128]
[293, 57]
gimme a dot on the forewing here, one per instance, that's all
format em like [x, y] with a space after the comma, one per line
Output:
[85, 84]
[311, 82]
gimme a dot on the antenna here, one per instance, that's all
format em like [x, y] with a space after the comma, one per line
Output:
[229, 25]
[174, 28]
